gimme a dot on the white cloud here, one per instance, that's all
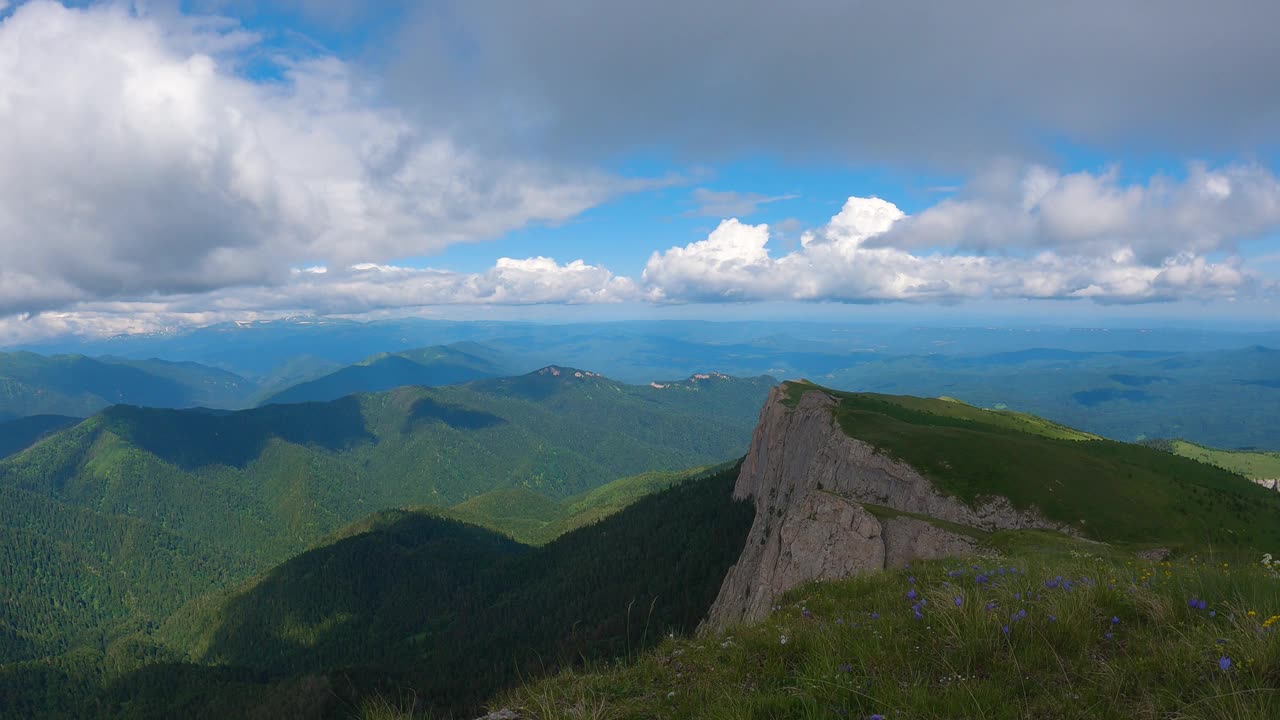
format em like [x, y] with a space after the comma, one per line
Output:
[848, 260]
[134, 161]
[356, 290]
[1097, 214]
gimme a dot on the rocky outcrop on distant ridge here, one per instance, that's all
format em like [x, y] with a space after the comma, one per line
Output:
[829, 506]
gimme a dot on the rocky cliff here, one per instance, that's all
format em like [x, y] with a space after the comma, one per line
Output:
[829, 506]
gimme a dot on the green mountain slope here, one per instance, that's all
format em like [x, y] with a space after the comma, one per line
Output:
[20, 434]
[79, 386]
[408, 602]
[255, 487]
[70, 575]
[1111, 491]
[536, 519]
[1026, 631]
[431, 366]
[269, 481]
[1253, 465]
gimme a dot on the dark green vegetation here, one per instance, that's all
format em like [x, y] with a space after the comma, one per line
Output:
[22, 433]
[1029, 630]
[1110, 491]
[75, 385]
[273, 479]
[232, 493]
[408, 602]
[536, 519]
[441, 365]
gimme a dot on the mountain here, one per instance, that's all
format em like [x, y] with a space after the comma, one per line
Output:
[79, 386]
[410, 602]
[915, 557]
[255, 487]
[22, 433]
[440, 365]
[849, 483]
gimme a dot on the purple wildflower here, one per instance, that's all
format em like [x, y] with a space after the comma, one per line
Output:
[846, 668]
[912, 579]
[1107, 636]
[1202, 605]
[1115, 620]
[1224, 663]
[1213, 613]
[991, 606]
[875, 616]
[1053, 618]
[959, 601]
[911, 594]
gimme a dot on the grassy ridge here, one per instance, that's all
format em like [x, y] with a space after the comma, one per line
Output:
[1111, 491]
[1063, 631]
[1253, 465]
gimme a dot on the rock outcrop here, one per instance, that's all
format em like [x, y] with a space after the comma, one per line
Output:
[1270, 484]
[811, 483]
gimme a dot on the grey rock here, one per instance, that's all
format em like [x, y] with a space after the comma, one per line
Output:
[809, 480]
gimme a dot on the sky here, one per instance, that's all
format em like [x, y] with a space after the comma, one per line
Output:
[167, 164]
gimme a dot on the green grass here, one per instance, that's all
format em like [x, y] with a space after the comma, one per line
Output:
[1112, 491]
[854, 648]
[1253, 465]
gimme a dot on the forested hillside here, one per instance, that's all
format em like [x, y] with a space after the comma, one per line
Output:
[431, 366]
[221, 495]
[408, 602]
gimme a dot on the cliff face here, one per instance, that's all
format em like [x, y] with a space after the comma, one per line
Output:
[809, 482]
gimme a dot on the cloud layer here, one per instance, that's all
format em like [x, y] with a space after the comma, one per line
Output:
[149, 177]
[931, 82]
[134, 160]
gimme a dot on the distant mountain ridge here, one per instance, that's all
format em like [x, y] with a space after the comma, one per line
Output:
[79, 386]
[430, 366]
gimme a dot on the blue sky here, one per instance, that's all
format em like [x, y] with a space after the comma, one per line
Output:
[231, 159]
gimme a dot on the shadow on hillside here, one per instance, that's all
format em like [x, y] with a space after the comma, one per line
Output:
[427, 410]
[191, 439]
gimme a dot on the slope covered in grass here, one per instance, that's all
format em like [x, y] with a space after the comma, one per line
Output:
[1111, 491]
[1058, 631]
[1253, 465]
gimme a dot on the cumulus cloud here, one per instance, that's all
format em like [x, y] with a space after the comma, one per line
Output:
[1097, 214]
[135, 161]
[849, 260]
